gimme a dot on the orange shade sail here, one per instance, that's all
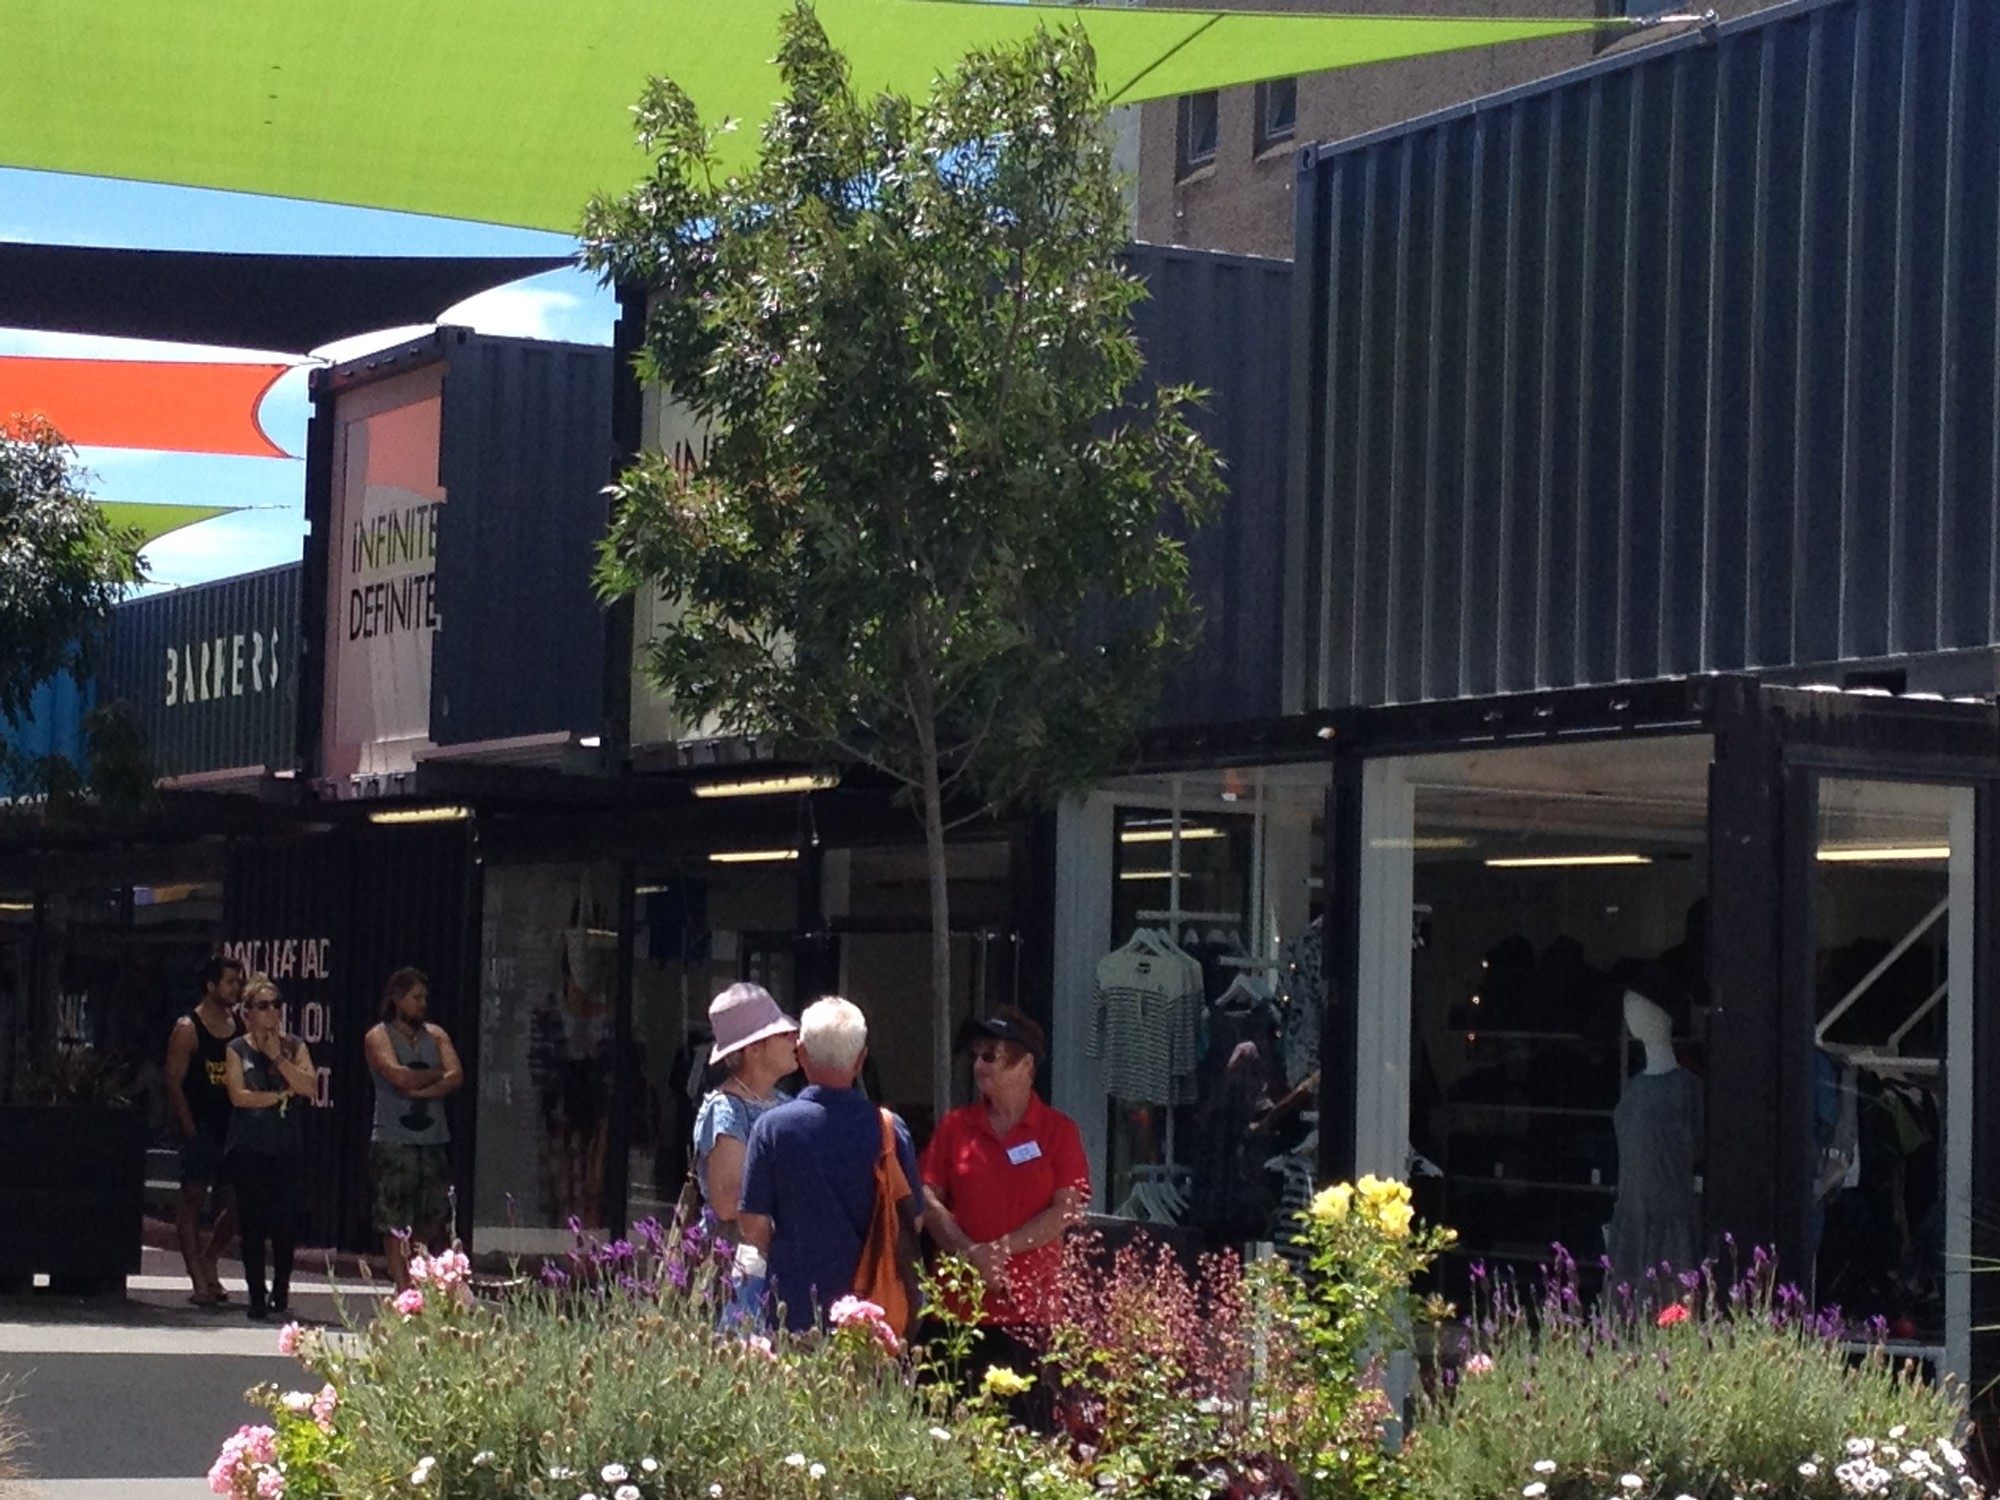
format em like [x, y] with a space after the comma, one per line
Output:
[162, 404]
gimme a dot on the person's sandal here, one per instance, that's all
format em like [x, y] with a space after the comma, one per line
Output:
[206, 1298]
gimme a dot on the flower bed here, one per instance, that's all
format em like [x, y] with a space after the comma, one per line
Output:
[610, 1381]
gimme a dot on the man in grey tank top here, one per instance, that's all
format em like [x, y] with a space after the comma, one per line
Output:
[409, 1156]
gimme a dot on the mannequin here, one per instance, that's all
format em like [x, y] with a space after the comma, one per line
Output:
[1657, 1121]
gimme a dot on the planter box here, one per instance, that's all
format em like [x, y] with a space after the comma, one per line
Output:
[72, 1193]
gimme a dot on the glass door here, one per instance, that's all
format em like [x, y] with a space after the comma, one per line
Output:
[1889, 1214]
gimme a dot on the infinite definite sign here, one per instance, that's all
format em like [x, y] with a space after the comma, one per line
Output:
[382, 608]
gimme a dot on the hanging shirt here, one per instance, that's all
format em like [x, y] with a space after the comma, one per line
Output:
[1148, 1026]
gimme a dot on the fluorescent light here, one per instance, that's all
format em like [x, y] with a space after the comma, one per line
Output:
[1566, 861]
[16, 906]
[770, 786]
[590, 742]
[1146, 875]
[753, 856]
[1861, 854]
[421, 815]
[1421, 844]
[1166, 835]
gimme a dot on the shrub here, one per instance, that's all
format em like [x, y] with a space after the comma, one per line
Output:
[611, 1382]
[1696, 1387]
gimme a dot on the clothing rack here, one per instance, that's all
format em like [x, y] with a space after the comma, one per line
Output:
[1176, 916]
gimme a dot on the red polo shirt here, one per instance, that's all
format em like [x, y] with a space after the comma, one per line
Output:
[993, 1185]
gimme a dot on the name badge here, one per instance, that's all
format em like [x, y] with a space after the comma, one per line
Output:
[1024, 1153]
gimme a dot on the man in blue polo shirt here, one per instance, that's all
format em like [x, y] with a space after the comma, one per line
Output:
[809, 1173]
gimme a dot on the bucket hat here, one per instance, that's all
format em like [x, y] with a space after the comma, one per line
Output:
[741, 1015]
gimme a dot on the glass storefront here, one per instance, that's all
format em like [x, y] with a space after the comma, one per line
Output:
[1191, 996]
[1534, 997]
[1889, 1221]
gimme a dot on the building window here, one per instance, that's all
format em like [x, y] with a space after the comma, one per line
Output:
[1277, 112]
[1200, 127]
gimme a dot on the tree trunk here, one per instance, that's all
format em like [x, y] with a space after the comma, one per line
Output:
[941, 1037]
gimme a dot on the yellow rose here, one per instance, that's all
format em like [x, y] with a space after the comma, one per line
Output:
[1330, 1205]
[1000, 1381]
[1394, 1217]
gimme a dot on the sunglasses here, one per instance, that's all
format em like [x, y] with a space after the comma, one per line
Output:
[999, 1055]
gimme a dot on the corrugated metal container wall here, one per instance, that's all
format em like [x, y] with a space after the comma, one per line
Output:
[1681, 363]
[330, 918]
[211, 671]
[526, 454]
[1218, 322]
[52, 726]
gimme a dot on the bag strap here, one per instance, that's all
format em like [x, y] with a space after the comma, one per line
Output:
[889, 1174]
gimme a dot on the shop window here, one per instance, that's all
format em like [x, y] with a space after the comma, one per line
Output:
[1277, 113]
[1543, 911]
[1891, 1112]
[1199, 131]
[1189, 996]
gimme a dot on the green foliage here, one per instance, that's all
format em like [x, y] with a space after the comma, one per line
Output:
[917, 535]
[1727, 1391]
[538, 1396]
[62, 564]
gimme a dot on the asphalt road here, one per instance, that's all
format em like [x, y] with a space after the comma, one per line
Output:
[130, 1400]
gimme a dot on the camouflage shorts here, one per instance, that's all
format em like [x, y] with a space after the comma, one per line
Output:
[411, 1187]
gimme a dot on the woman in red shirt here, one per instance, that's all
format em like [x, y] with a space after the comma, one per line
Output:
[1005, 1176]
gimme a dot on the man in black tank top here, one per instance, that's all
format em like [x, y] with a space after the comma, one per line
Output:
[198, 1093]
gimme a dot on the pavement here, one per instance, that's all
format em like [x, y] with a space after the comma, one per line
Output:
[130, 1399]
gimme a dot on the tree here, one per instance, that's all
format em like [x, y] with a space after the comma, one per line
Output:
[931, 532]
[63, 564]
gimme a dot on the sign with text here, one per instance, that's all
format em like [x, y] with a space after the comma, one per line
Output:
[382, 614]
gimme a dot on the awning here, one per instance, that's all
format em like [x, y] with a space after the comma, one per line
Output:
[516, 111]
[174, 406]
[154, 521]
[286, 303]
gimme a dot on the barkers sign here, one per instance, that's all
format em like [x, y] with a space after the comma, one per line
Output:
[229, 666]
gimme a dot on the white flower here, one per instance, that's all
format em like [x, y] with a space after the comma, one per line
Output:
[649, 1466]
[715, 1491]
[557, 1471]
[1631, 1482]
[421, 1474]
[1544, 1466]
[1950, 1454]
[1534, 1491]
[626, 1492]
[1809, 1470]
[1898, 1430]
[817, 1471]
[613, 1474]
[482, 1458]
[795, 1460]
[941, 1434]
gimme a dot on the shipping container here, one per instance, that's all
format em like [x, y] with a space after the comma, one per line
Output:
[52, 727]
[455, 490]
[1683, 362]
[329, 918]
[211, 672]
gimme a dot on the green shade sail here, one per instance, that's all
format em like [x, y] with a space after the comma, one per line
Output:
[154, 521]
[516, 111]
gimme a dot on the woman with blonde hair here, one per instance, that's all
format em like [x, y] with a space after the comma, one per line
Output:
[272, 1083]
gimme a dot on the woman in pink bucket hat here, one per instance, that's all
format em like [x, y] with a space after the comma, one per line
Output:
[754, 1040]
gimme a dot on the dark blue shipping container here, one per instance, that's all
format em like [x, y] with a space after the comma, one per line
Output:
[212, 672]
[1684, 362]
[525, 452]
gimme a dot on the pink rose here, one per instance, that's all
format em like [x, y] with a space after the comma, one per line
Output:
[270, 1485]
[288, 1339]
[1479, 1364]
[761, 1346]
[409, 1302]
[1671, 1314]
[323, 1406]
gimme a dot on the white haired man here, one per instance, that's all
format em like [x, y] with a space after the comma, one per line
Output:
[809, 1172]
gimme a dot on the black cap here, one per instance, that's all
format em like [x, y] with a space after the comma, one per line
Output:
[1008, 1024]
